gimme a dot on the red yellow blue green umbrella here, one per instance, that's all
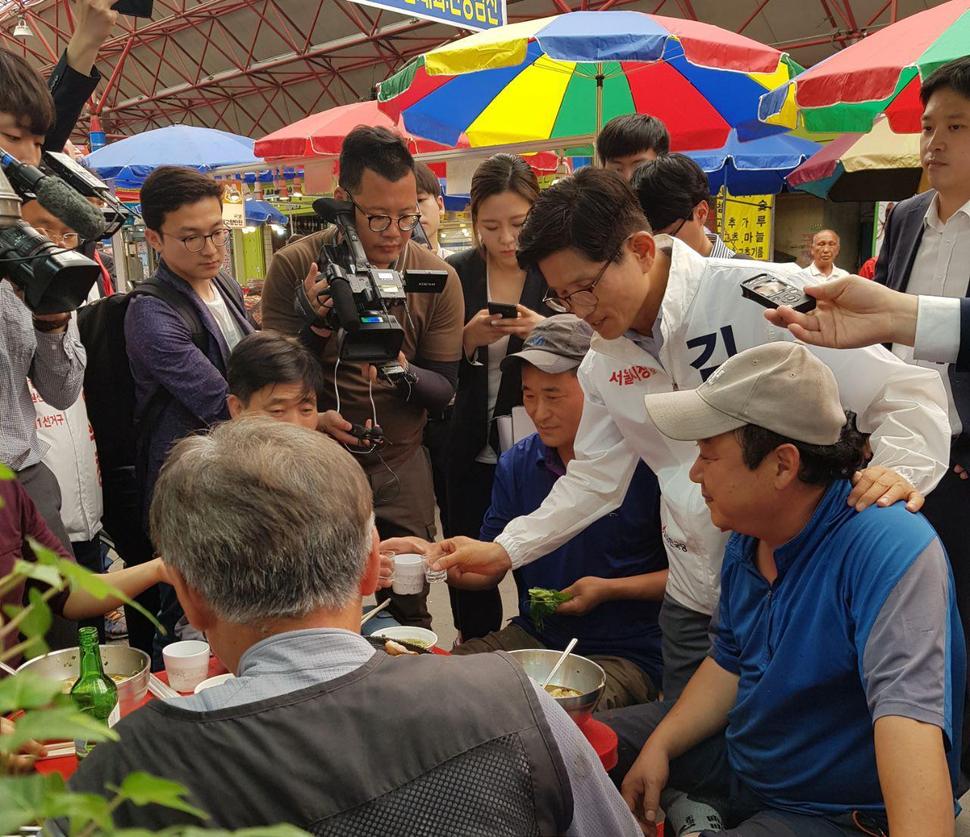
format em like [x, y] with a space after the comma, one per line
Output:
[881, 73]
[566, 76]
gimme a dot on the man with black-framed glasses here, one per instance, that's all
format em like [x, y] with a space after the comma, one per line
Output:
[665, 319]
[179, 337]
[377, 176]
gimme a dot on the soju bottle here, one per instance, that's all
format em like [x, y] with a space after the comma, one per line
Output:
[94, 692]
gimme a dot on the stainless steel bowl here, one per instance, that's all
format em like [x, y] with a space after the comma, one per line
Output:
[575, 673]
[121, 660]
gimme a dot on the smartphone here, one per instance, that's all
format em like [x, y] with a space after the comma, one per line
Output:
[771, 291]
[504, 310]
[134, 8]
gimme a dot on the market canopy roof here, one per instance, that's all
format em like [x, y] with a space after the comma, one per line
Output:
[252, 66]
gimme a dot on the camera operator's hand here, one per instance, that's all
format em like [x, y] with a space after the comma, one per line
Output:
[47, 323]
[94, 20]
[479, 331]
[316, 289]
[369, 371]
[522, 325]
[338, 429]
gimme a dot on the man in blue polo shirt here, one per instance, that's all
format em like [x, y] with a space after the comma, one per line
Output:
[615, 571]
[834, 688]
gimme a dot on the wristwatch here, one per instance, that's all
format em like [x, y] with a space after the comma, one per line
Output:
[47, 326]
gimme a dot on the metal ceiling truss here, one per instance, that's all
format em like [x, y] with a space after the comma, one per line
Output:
[154, 79]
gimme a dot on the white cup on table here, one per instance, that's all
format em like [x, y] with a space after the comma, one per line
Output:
[408, 574]
[186, 664]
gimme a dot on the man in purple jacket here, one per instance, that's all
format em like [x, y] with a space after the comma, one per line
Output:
[180, 378]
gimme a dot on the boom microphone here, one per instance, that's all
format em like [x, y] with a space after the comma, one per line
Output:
[55, 196]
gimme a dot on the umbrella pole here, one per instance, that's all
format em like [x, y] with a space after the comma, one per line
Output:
[599, 110]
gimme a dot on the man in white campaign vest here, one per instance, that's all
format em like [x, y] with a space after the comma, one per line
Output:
[73, 457]
[665, 319]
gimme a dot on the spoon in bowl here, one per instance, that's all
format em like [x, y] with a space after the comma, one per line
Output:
[559, 662]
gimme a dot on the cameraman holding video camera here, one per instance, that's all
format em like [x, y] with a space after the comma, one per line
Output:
[377, 177]
[44, 346]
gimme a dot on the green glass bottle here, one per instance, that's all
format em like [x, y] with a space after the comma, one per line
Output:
[94, 692]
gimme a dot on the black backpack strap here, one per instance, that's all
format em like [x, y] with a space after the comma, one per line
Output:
[152, 287]
[231, 291]
[175, 299]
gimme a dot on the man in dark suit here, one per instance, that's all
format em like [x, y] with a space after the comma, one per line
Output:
[926, 251]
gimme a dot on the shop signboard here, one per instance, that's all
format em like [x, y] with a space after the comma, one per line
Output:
[234, 214]
[746, 225]
[465, 14]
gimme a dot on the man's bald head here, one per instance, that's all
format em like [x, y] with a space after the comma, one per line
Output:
[825, 248]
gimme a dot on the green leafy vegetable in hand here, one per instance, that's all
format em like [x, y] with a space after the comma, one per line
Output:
[543, 603]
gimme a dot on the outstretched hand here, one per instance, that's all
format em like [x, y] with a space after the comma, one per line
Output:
[851, 312]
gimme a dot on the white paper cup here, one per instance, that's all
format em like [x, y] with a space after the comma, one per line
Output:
[408, 574]
[186, 664]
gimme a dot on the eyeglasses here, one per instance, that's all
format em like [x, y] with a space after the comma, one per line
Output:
[379, 223]
[196, 243]
[673, 233]
[583, 300]
[69, 239]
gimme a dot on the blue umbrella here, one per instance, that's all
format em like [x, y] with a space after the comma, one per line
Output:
[758, 167]
[262, 212]
[203, 149]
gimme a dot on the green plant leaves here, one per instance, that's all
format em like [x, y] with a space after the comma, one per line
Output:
[23, 799]
[58, 722]
[144, 789]
[28, 691]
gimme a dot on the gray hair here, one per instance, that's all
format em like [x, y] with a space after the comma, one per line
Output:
[264, 519]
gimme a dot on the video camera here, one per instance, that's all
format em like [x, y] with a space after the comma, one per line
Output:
[53, 280]
[362, 295]
[116, 214]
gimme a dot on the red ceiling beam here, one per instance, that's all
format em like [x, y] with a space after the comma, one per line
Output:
[752, 16]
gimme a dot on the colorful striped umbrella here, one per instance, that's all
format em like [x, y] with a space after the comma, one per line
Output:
[565, 76]
[879, 165]
[881, 73]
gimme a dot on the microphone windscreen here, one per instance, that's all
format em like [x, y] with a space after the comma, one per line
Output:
[61, 200]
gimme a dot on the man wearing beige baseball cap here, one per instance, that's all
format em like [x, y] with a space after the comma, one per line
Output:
[834, 688]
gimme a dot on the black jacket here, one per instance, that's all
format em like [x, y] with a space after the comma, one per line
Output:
[901, 239]
[71, 91]
[471, 401]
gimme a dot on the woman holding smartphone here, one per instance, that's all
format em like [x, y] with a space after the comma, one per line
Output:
[503, 190]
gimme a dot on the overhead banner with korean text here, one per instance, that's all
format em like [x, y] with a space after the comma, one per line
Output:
[465, 14]
[746, 225]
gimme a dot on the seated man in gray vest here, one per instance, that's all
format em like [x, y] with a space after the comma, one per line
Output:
[268, 532]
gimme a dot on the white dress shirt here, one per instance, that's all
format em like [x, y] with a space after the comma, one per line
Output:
[704, 321]
[816, 277]
[941, 269]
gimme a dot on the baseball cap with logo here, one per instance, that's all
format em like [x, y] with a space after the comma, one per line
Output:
[556, 345]
[781, 387]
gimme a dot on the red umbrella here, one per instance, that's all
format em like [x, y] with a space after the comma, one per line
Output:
[322, 134]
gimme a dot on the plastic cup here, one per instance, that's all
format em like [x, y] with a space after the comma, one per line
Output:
[186, 664]
[408, 574]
